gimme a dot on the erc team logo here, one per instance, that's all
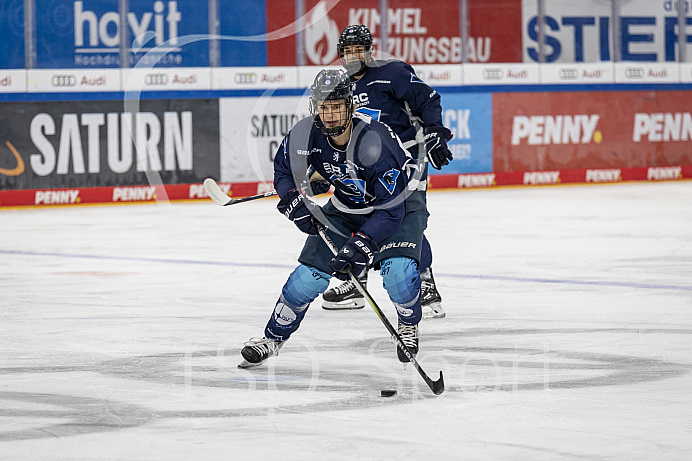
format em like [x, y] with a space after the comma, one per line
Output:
[321, 35]
[388, 180]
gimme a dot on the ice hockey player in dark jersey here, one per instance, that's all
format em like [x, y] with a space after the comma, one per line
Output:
[391, 92]
[373, 215]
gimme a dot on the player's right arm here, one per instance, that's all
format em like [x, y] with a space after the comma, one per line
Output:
[292, 203]
[283, 175]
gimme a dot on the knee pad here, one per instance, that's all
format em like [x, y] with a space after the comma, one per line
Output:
[401, 279]
[304, 285]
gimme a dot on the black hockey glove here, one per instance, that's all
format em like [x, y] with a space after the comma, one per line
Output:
[438, 153]
[357, 255]
[292, 206]
[318, 185]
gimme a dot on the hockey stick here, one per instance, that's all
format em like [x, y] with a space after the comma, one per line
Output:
[217, 195]
[438, 386]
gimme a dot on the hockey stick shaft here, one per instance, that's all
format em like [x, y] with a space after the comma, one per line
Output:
[438, 386]
[217, 195]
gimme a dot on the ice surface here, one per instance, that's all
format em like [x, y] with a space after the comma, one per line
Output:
[568, 334]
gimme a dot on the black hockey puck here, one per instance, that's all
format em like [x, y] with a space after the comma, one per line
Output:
[388, 392]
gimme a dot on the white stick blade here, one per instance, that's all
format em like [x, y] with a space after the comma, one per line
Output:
[215, 192]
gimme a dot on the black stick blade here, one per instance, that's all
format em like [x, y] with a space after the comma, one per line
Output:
[438, 387]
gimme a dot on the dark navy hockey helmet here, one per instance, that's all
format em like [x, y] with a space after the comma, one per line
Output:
[351, 36]
[331, 84]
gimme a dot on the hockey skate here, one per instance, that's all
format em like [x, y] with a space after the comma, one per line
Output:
[344, 296]
[256, 351]
[409, 336]
[431, 301]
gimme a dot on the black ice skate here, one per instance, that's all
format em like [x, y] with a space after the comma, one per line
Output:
[409, 336]
[344, 296]
[256, 351]
[431, 301]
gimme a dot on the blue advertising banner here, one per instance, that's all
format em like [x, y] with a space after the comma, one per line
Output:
[242, 29]
[12, 33]
[86, 33]
[169, 33]
[470, 117]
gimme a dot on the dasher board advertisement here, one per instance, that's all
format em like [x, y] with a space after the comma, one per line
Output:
[87, 34]
[106, 143]
[553, 131]
[418, 32]
[583, 31]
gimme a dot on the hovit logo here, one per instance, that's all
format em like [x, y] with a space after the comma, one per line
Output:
[494, 73]
[568, 73]
[245, 78]
[634, 72]
[104, 31]
[155, 79]
[62, 81]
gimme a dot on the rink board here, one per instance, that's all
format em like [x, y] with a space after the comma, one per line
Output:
[75, 148]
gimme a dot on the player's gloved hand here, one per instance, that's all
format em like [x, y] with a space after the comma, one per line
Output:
[292, 205]
[438, 153]
[357, 255]
[319, 187]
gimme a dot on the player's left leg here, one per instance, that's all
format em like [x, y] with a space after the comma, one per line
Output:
[401, 279]
[398, 261]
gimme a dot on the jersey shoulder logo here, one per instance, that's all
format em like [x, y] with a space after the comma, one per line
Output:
[388, 180]
[367, 113]
[415, 78]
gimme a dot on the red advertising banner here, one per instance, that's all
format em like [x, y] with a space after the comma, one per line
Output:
[417, 34]
[124, 194]
[185, 192]
[553, 131]
[494, 31]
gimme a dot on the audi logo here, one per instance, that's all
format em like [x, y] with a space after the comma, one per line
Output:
[634, 72]
[245, 78]
[494, 73]
[155, 79]
[568, 73]
[63, 80]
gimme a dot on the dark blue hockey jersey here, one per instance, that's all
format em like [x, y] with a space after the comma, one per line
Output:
[369, 175]
[390, 92]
